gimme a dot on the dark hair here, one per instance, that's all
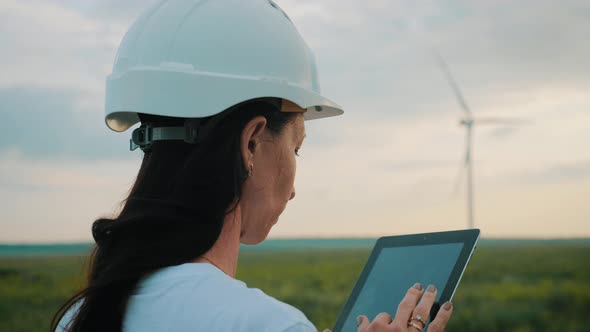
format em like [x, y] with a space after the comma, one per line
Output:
[174, 213]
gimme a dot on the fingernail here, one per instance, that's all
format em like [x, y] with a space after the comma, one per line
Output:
[418, 286]
[447, 306]
[359, 320]
[326, 330]
[431, 289]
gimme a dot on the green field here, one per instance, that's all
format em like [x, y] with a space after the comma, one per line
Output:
[530, 288]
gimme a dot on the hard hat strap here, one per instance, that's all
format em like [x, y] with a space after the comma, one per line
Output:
[144, 136]
[194, 131]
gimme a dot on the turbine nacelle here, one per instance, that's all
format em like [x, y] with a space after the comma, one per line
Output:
[466, 122]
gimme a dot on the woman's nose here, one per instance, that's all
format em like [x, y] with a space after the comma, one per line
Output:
[292, 195]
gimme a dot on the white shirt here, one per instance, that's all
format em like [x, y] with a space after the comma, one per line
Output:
[200, 297]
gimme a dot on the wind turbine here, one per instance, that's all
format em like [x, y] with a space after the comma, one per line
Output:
[468, 121]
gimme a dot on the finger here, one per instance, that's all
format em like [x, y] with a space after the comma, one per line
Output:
[362, 323]
[423, 308]
[382, 319]
[380, 322]
[442, 318]
[415, 326]
[407, 305]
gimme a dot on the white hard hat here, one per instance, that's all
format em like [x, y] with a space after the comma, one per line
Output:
[196, 58]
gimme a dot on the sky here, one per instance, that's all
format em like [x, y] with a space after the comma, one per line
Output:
[388, 166]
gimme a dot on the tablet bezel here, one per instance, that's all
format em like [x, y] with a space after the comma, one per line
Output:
[468, 237]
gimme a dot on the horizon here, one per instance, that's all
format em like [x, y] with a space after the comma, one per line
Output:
[511, 239]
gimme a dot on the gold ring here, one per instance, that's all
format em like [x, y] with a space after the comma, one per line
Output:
[414, 325]
[419, 318]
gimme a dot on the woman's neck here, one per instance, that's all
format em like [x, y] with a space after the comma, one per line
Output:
[225, 251]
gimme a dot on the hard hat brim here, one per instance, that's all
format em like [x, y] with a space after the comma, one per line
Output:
[151, 90]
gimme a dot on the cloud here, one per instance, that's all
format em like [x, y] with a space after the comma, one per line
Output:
[572, 172]
[49, 123]
[47, 45]
[497, 50]
[118, 11]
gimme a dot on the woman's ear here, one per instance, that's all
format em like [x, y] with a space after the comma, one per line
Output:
[252, 134]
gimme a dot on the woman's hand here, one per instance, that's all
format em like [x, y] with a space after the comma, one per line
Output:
[411, 316]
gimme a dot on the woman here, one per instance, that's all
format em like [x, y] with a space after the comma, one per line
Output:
[222, 89]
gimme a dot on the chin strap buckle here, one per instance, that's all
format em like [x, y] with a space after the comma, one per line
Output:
[141, 138]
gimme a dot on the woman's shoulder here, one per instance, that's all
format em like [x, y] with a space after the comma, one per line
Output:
[266, 313]
[65, 320]
[202, 295]
[265, 308]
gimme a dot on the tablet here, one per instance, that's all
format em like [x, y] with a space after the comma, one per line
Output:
[398, 262]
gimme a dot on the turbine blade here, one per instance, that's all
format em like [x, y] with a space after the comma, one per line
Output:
[503, 121]
[468, 144]
[458, 180]
[461, 173]
[445, 69]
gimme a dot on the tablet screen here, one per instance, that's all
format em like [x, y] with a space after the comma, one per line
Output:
[398, 268]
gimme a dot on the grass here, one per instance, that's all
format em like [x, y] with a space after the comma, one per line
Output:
[531, 288]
